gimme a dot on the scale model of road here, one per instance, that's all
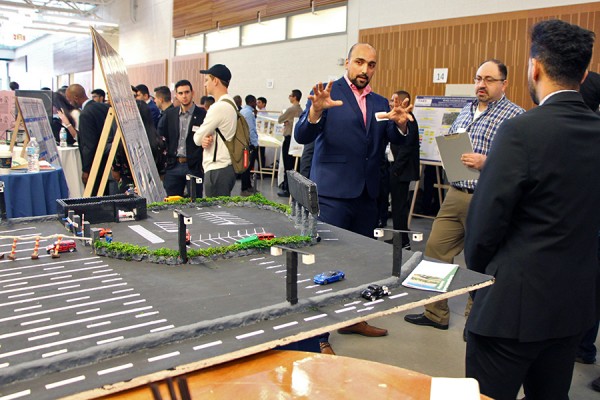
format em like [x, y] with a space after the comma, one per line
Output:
[87, 325]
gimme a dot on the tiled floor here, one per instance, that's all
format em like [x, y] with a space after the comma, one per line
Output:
[424, 349]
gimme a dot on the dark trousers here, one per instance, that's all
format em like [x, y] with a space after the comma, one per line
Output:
[399, 192]
[175, 180]
[501, 365]
[245, 176]
[358, 215]
[288, 161]
[587, 348]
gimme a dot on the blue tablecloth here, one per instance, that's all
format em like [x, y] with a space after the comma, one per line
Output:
[32, 194]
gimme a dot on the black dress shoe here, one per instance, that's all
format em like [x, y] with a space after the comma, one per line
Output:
[421, 319]
[283, 193]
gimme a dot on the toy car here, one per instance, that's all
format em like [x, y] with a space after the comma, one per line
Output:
[64, 246]
[329, 277]
[374, 292]
[169, 199]
[247, 239]
[265, 236]
[104, 231]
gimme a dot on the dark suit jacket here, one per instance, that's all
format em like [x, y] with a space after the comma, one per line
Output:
[533, 224]
[91, 123]
[170, 131]
[406, 156]
[347, 153]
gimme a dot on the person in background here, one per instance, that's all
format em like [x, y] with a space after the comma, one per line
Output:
[13, 86]
[99, 95]
[248, 113]
[287, 119]
[238, 101]
[142, 93]
[64, 116]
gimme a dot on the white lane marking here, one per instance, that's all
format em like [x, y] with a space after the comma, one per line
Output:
[17, 230]
[275, 266]
[114, 339]
[27, 308]
[68, 287]
[80, 338]
[324, 291]
[312, 286]
[280, 271]
[207, 345]
[365, 309]
[93, 262]
[11, 274]
[14, 296]
[163, 356]
[67, 307]
[4, 365]
[77, 299]
[59, 262]
[53, 268]
[16, 395]
[256, 259]
[72, 322]
[63, 294]
[268, 262]
[115, 369]
[146, 234]
[98, 324]
[315, 317]
[353, 303]
[134, 302]
[65, 382]
[45, 335]
[146, 314]
[331, 239]
[102, 270]
[323, 230]
[37, 321]
[54, 353]
[60, 283]
[123, 291]
[398, 295]
[304, 280]
[285, 325]
[111, 280]
[250, 334]
[162, 328]
[16, 284]
[373, 302]
[345, 309]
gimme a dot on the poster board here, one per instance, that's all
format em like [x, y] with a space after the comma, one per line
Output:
[7, 113]
[296, 148]
[268, 124]
[435, 115]
[129, 121]
[35, 119]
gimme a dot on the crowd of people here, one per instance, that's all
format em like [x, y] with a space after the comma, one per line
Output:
[525, 220]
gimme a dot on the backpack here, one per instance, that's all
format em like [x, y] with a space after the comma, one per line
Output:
[239, 145]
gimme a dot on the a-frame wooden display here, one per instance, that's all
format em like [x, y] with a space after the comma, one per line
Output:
[129, 129]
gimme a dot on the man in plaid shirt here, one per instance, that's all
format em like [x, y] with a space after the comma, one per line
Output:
[480, 119]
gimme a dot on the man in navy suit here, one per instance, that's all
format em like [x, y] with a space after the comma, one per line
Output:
[340, 118]
[533, 224]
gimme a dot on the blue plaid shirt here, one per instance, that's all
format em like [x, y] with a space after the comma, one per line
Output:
[483, 129]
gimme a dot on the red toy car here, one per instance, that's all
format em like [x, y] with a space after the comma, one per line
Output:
[104, 231]
[265, 236]
[64, 246]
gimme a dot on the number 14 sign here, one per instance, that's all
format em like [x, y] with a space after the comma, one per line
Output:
[440, 75]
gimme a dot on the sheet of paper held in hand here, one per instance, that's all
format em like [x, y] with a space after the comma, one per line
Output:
[451, 148]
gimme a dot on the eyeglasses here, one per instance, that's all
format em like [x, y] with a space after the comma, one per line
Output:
[488, 80]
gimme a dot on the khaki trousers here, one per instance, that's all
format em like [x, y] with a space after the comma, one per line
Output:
[446, 241]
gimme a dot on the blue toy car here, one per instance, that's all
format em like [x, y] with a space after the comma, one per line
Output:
[329, 277]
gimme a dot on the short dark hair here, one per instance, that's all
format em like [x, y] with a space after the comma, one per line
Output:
[163, 92]
[250, 99]
[143, 89]
[99, 92]
[209, 100]
[184, 82]
[297, 94]
[13, 85]
[262, 99]
[501, 67]
[564, 49]
[405, 94]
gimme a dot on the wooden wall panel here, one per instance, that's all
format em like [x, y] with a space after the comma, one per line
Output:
[188, 67]
[190, 17]
[151, 74]
[407, 54]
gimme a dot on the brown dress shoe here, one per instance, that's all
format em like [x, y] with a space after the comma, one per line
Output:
[362, 328]
[326, 348]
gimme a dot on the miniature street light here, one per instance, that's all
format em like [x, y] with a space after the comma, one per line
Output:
[291, 265]
[397, 245]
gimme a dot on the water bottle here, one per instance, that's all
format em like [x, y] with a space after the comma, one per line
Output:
[33, 155]
[63, 137]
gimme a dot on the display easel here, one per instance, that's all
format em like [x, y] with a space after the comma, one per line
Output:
[439, 185]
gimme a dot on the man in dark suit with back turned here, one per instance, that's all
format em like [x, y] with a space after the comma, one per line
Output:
[178, 127]
[91, 123]
[533, 224]
[349, 146]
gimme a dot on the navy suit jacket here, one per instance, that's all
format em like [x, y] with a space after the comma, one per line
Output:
[91, 123]
[533, 224]
[347, 155]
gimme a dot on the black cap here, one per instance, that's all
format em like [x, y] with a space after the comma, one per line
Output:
[218, 71]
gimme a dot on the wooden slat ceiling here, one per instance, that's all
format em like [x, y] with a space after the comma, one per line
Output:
[190, 17]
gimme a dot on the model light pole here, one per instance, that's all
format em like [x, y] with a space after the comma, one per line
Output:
[291, 264]
[397, 245]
